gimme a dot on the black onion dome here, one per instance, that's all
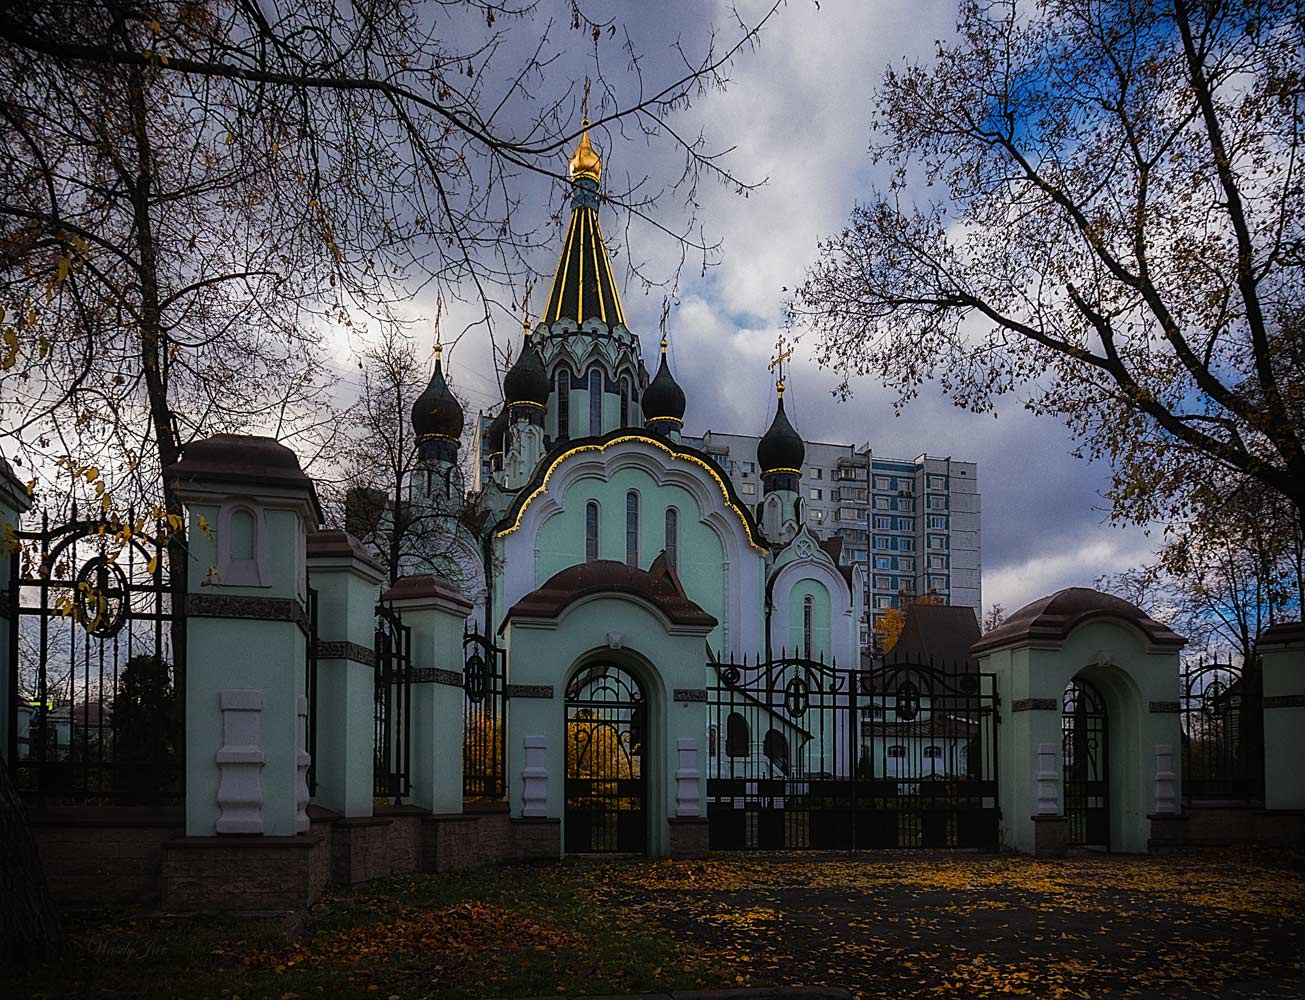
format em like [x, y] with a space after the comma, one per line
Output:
[526, 381]
[437, 412]
[498, 431]
[663, 399]
[780, 448]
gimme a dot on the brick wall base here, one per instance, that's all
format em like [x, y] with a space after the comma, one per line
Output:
[104, 855]
[1167, 832]
[360, 849]
[536, 838]
[264, 874]
[1050, 836]
[687, 836]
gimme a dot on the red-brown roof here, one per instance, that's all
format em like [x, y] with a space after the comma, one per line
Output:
[1053, 618]
[662, 589]
[424, 585]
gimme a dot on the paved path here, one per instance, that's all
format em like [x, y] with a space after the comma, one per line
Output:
[1218, 924]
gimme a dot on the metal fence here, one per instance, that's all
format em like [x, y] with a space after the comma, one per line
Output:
[392, 716]
[96, 673]
[484, 681]
[807, 755]
[1223, 733]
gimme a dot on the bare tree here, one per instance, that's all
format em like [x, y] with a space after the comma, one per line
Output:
[190, 194]
[1114, 229]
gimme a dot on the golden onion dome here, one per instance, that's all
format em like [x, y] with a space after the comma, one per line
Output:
[585, 161]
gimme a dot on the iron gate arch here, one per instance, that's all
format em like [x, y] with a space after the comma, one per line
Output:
[97, 673]
[802, 754]
[1085, 739]
[606, 807]
[1222, 714]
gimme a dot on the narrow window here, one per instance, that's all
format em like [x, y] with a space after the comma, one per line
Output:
[737, 736]
[808, 604]
[625, 401]
[632, 529]
[563, 404]
[591, 531]
[595, 402]
[672, 536]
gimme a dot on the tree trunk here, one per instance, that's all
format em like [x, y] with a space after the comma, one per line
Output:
[30, 931]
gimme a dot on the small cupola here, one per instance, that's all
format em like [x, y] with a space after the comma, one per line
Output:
[437, 416]
[780, 452]
[526, 383]
[663, 400]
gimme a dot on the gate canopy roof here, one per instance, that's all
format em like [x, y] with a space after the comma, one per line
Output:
[563, 589]
[1053, 618]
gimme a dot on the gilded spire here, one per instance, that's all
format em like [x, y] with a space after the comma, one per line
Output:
[585, 162]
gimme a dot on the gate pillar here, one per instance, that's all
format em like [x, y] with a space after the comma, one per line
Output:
[346, 579]
[249, 507]
[1132, 660]
[1282, 656]
[14, 502]
[437, 613]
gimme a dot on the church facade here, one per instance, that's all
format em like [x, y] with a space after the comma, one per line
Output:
[617, 563]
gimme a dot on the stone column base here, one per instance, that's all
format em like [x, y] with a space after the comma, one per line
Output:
[1168, 831]
[1050, 836]
[688, 836]
[536, 838]
[240, 873]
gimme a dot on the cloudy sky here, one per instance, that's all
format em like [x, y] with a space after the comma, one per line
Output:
[798, 112]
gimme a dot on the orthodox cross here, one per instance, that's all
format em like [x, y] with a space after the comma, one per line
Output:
[439, 324]
[783, 351]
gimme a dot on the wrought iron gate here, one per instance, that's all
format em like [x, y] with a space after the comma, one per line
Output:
[1223, 733]
[605, 781]
[484, 764]
[807, 755]
[392, 719]
[96, 631]
[1086, 765]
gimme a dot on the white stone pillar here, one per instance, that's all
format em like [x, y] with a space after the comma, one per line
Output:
[1166, 781]
[1048, 780]
[240, 763]
[534, 778]
[688, 779]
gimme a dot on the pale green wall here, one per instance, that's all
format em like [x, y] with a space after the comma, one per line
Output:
[661, 662]
[227, 653]
[820, 615]
[346, 608]
[561, 540]
[1284, 725]
[1112, 656]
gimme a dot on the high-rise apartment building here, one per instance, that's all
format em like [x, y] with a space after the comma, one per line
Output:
[912, 523]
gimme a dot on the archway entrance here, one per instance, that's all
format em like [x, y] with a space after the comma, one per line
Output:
[606, 781]
[1084, 742]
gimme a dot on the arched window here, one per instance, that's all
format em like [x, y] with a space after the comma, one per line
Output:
[897, 750]
[775, 747]
[737, 736]
[808, 606]
[933, 751]
[591, 531]
[713, 741]
[632, 529]
[563, 404]
[625, 401]
[672, 545]
[595, 402]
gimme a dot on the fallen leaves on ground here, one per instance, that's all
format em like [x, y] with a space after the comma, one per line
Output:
[459, 932]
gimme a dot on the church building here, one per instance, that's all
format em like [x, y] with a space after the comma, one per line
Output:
[618, 563]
